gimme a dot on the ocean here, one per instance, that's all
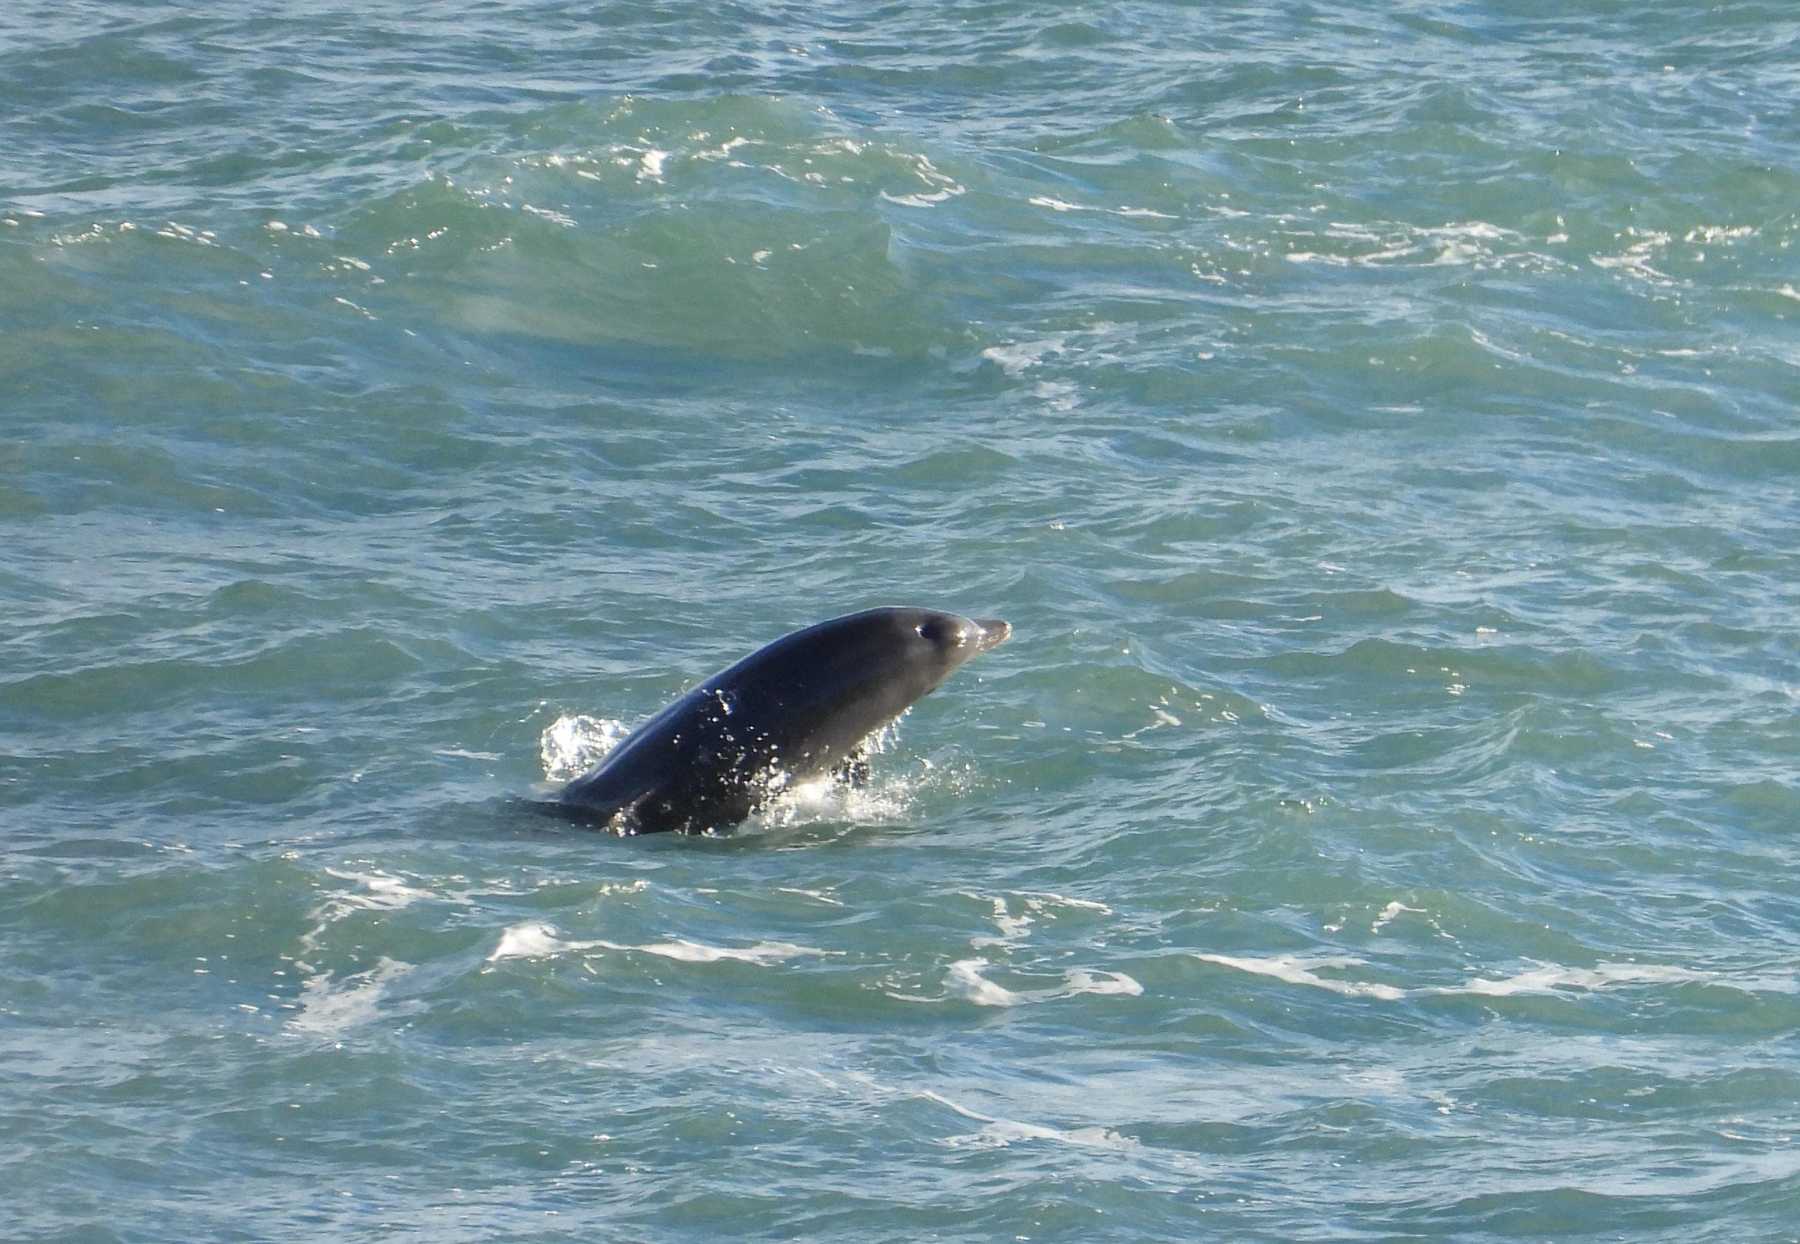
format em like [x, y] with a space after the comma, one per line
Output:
[1376, 421]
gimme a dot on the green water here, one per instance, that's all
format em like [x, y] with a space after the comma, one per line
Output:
[1376, 422]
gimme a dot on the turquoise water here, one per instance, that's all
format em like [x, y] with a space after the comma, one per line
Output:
[1377, 422]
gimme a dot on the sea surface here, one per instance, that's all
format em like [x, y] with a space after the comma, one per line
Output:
[1377, 421]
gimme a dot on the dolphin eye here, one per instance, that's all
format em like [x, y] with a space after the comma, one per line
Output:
[940, 633]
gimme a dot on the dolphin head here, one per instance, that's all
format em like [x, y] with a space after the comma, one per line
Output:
[862, 670]
[949, 640]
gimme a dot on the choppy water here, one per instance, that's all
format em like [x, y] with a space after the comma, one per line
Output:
[1377, 422]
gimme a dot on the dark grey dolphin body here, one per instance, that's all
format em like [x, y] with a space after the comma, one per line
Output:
[800, 707]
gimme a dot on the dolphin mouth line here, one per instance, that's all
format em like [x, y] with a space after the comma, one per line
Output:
[994, 632]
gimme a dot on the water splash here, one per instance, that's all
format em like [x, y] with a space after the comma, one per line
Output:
[572, 745]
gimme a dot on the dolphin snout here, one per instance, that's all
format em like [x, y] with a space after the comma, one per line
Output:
[993, 632]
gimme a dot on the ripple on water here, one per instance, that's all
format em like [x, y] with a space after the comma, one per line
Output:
[1378, 428]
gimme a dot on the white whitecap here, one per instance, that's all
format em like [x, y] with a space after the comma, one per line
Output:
[964, 980]
[1296, 971]
[1553, 978]
[1012, 928]
[537, 940]
[1084, 980]
[534, 940]
[923, 200]
[1549, 978]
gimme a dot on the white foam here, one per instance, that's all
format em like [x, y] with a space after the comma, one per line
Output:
[327, 1009]
[723, 150]
[1059, 395]
[1296, 971]
[381, 892]
[942, 185]
[923, 200]
[1719, 233]
[1477, 229]
[1015, 357]
[1389, 913]
[533, 941]
[1553, 978]
[1083, 980]
[1014, 926]
[816, 895]
[385, 892]
[1011, 927]
[550, 214]
[698, 952]
[1635, 259]
[998, 1133]
[538, 940]
[1063, 205]
[1160, 718]
[1050, 897]
[965, 980]
[1548, 978]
